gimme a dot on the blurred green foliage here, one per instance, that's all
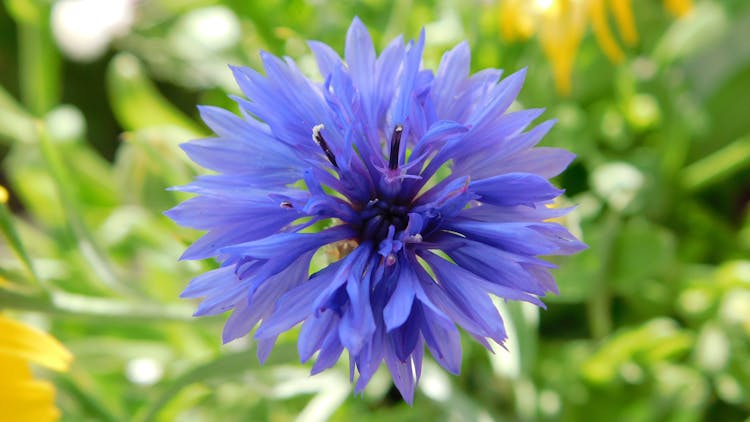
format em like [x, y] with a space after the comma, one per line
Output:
[652, 322]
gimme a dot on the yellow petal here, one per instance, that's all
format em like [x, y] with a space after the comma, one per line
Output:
[602, 32]
[562, 68]
[678, 8]
[560, 34]
[623, 12]
[515, 21]
[22, 398]
[23, 342]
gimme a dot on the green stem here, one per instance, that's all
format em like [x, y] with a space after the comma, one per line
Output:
[9, 230]
[39, 65]
[718, 166]
[599, 307]
[84, 398]
[67, 304]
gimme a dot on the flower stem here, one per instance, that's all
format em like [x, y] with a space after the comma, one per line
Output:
[718, 166]
[599, 308]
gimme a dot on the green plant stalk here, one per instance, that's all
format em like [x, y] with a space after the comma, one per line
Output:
[60, 303]
[527, 330]
[85, 399]
[88, 245]
[718, 166]
[9, 230]
[39, 67]
[599, 307]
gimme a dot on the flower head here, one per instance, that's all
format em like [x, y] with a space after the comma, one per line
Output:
[431, 192]
[22, 398]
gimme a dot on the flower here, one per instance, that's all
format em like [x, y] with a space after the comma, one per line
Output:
[429, 190]
[23, 398]
[561, 24]
[84, 29]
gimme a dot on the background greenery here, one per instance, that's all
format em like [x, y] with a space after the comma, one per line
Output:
[652, 323]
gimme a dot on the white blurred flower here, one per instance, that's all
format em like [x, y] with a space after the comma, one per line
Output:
[83, 29]
[207, 30]
[618, 183]
[144, 371]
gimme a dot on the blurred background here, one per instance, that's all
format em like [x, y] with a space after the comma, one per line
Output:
[652, 322]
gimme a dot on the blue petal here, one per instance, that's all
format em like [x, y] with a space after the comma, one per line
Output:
[291, 309]
[210, 244]
[402, 373]
[242, 320]
[329, 354]
[357, 324]
[314, 332]
[400, 107]
[338, 274]
[405, 338]
[206, 213]
[223, 301]
[497, 266]
[265, 346]
[503, 95]
[209, 282]
[487, 212]
[465, 303]
[327, 58]
[270, 246]
[518, 238]
[399, 305]
[544, 161]
[452, 74]
[360, 56]
[228, 125]
[442, 338]
[234, 157]
[387, 67]
[514, 189]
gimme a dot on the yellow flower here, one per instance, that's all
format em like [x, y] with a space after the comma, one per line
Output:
[679, 8]
[22, 397]
[560, 25]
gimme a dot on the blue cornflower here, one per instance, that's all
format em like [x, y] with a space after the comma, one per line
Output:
[432, 194]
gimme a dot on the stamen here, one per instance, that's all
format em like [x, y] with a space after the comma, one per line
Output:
[286, 205]
[318, 138]
[395, 146]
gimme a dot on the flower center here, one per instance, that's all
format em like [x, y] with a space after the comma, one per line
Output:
[379, 215]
